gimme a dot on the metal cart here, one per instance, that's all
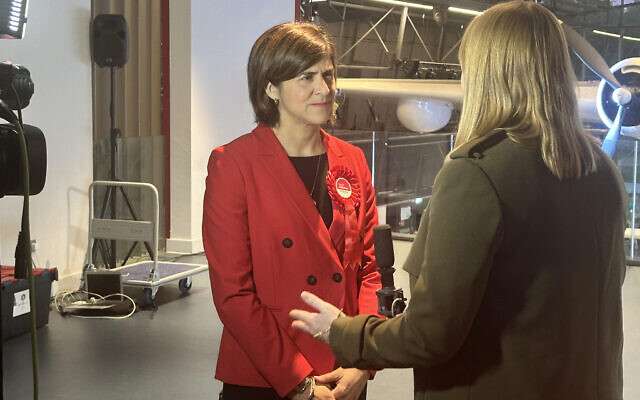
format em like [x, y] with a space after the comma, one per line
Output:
[149, 275]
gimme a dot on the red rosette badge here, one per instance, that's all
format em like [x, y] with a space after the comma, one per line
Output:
[343, 187]
[344, 190]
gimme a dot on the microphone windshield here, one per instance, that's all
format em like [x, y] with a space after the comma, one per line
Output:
[383, 246]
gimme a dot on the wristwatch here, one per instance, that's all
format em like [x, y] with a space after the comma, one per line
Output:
[302, 386]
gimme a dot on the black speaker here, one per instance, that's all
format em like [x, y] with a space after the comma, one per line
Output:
[109, 40]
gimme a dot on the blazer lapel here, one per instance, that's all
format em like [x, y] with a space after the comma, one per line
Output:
[336, 230]
[283, 173]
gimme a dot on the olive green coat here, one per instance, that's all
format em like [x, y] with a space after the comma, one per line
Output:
[518, 290]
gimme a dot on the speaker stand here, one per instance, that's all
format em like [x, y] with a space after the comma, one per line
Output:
[108, 253]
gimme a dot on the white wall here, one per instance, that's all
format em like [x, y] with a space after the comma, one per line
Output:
[209, 107]
[221, 37]
[56, 52]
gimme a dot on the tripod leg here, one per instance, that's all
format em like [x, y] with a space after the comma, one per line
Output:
[94, 254]
[106, 202]
[102, 249]
[129, 205]
[151, 254]
[133, 246]
[104, 252]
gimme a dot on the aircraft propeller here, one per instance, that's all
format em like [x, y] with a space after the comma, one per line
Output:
[425, 105]
[621, 95]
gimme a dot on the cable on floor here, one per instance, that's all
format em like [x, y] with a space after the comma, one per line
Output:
[66, 297]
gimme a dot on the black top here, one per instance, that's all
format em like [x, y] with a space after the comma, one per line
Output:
[313, 172]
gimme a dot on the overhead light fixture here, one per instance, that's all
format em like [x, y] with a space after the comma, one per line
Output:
[427, 7]
[416, 5]
[404, 4]
[13, 18]
[464, 11]
[615, 35]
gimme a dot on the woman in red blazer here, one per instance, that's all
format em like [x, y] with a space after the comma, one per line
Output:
[288, 208]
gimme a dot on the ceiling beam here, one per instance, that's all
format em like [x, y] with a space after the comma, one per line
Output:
[599, 8]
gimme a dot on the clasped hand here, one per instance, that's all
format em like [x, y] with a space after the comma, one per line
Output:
[347, 383]
[340, 384]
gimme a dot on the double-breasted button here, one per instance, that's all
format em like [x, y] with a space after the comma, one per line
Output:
[337, 277]
[286, 242]
[311, 280]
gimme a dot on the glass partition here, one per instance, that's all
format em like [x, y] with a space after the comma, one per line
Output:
[403, 167]
[626, 158]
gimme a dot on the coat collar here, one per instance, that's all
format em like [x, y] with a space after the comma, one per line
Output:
[476, 147]
[269, 144]
[284, 174]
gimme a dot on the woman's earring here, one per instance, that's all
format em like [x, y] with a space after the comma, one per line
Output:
[277, 101]
[339, 98]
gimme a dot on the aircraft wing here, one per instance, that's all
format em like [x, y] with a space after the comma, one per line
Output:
[426, 89]
[448, 91]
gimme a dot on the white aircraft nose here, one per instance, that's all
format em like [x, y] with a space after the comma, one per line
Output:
[622, 96]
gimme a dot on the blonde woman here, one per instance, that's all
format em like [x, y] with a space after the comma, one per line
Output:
[519, 260]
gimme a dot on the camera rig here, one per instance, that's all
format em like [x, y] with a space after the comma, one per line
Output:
[16, 89]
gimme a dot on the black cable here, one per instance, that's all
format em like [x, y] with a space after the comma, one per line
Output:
[26, 232]
[19, 110]
[18, 102]
[27, 248]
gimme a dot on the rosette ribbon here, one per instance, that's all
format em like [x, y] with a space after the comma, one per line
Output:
[344, 190]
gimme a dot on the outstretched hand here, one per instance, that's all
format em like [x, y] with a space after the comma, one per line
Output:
[315, 324]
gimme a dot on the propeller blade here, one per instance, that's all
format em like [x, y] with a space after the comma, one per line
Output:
[611, 140]
[589, 56]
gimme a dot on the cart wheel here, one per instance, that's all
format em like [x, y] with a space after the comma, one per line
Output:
[148, 296]
[185, 284]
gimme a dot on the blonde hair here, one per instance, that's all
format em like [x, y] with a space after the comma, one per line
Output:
[518, 77]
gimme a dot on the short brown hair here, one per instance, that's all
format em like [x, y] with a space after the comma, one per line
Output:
[281, 53]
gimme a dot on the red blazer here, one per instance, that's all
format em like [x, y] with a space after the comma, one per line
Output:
[265, 243]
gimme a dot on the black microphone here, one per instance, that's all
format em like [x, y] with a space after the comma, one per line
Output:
[391, 301]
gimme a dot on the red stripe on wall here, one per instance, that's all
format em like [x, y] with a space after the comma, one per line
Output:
[166, 113]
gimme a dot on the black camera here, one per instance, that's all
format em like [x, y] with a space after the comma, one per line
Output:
[16, 89]
[16, 86]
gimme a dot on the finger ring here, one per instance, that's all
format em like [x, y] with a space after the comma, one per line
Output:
[317, 335]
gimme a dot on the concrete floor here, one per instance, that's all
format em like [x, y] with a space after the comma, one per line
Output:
[171, 353]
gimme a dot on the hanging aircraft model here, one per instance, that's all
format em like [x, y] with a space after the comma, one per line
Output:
[426, 105]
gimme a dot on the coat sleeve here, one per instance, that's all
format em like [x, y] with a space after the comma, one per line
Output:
[226, 241]
[462, 237]
[368, 275]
